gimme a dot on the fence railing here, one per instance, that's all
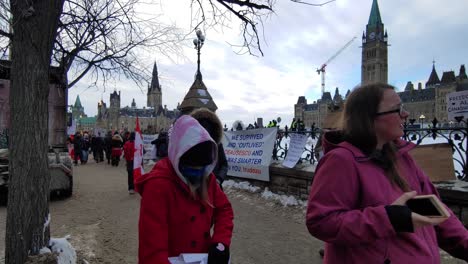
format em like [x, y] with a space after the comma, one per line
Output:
[455, 135]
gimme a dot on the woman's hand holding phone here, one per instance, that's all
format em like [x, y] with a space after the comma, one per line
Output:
[417, 219]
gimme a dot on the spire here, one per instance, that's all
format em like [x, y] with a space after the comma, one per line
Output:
[374, 18]
[462, 73]
[78, 102]
[155, 79]
[434, 78]
[409, 87]
[337, 97]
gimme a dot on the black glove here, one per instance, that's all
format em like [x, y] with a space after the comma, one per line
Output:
[218, 254]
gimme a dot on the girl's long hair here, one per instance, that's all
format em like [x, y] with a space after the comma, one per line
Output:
[201, 191]
[360, 111]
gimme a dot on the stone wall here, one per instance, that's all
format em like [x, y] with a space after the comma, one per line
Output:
[297, 182]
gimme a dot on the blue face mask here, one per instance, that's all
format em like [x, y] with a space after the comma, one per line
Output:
[193, 175]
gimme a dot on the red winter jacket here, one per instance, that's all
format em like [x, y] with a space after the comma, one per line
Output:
[172, 221]
[129, 150]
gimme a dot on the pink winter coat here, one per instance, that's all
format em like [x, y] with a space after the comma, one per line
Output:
[346, 209]
[172, 221]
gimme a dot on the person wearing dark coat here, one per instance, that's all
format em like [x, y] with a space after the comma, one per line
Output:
[108, 146]
[117, 144]
[98, 146]
[86, 144]
[77, 147]
[212, 124]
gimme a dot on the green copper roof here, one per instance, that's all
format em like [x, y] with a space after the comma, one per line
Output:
[77, 102]
[374, 18]
[88, 120]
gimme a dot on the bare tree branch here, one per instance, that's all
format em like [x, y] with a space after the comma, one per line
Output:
[106, 38]
[6, 34]
[306, 3]
[247, 3]
[251, 14]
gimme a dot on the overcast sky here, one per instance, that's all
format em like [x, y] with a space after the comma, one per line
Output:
[298, 39]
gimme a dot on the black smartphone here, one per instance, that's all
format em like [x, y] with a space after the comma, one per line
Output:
[427, 205]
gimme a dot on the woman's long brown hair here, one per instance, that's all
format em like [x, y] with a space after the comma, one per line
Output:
[360, 111]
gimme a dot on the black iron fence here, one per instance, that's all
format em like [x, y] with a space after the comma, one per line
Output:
[455, 134]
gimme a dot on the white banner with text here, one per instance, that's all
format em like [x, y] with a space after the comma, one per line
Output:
[248, 152]
[457, 105]
[147, 138]
[296, 148]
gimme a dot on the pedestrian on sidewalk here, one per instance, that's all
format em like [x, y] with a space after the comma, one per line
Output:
[77, 148]
[357, 201]
[181, 201]
[129, 152]
[117, 144]
[108, 146]
[98, 148]
[212, 124]
[85, 148]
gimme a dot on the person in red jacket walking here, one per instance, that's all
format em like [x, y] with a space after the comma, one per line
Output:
[181, 201]
[129, 152]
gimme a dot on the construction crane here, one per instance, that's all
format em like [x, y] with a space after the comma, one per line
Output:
[321, 70]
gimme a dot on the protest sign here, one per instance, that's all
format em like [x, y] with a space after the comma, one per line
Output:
[147, 138]
[457, 105]
[296, 148]
[248, 152]
[71, 130]
[99, 131]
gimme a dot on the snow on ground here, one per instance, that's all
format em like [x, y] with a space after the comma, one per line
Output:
[240, 185]
[285, 200]
[66, 252]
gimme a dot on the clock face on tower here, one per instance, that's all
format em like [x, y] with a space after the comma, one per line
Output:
[372, 35]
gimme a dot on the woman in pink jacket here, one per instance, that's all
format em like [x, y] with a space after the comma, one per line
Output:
[183, 209]
[357, 202]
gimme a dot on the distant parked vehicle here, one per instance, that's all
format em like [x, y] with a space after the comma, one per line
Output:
[61, 175]
[60, 164]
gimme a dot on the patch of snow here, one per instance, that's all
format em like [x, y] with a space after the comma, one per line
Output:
[240, 185]
[67, 254]
[285, 200]
[46, 224]
[45, 250]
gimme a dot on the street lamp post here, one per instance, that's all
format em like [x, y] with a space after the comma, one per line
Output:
[421, 119]
[198, 43]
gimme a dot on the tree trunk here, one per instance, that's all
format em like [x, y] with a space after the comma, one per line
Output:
[34, 31]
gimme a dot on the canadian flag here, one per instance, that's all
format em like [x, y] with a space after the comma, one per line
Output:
[138, 155]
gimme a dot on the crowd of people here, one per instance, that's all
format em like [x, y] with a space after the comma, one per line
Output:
[80, 145]
[357, 203]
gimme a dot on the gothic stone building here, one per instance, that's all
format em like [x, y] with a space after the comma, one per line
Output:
[316, 112]
[374, 69]
[428, 102]
[153, 118]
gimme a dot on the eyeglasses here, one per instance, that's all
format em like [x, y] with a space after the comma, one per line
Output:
[400, 111]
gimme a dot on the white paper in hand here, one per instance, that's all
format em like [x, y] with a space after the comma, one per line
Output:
[201, 258]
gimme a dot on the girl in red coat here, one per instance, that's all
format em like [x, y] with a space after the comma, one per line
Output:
[181, 201]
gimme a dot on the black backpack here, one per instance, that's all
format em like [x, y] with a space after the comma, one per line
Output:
[162, 145]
